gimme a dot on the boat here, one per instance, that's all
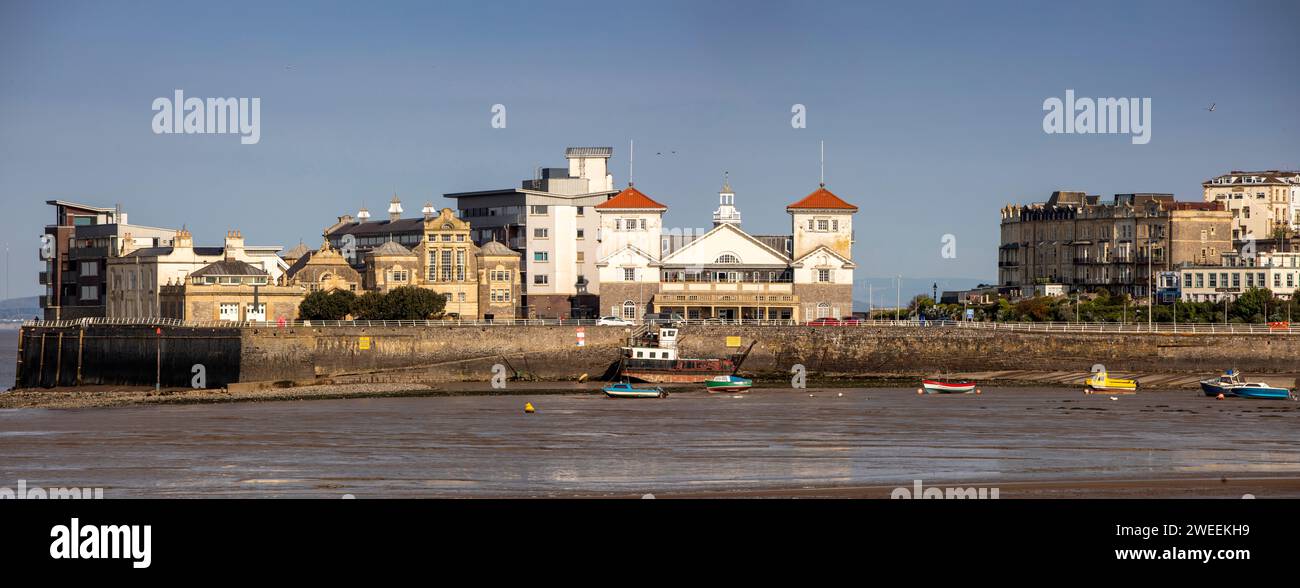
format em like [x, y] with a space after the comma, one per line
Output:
[1231, 384]
[1102, 382]
[627, 390]
[651, 356]
[947, 387]
[727, 384]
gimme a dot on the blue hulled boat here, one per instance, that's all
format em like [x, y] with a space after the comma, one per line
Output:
[1231, 384]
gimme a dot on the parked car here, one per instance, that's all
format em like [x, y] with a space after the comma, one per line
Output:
[824, 322]
[663, 317]
[850, 320]
[613, 321]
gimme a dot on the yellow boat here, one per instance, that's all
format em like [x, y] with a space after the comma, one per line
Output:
[1102, 382]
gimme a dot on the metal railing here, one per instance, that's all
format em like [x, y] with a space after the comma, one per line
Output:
[1032, 327]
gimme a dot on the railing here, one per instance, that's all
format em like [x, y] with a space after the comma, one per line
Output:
[1043, 327]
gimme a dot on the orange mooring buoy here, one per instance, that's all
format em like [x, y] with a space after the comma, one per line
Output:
[528, 408]
[1219, 397]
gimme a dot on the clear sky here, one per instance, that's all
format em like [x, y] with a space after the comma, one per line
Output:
[932, 112]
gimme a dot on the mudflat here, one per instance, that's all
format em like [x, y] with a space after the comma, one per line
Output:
[826, 442]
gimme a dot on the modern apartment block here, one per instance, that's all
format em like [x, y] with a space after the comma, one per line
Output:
[1076, 240]
[550, 221]
[1261, 202]
[76, 249]
[1278, 272]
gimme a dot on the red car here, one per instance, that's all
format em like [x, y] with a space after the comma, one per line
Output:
[824, 322]
[850, 320]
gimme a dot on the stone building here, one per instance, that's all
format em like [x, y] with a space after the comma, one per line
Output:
[1076, 240]
[726, 273]
[134, 276]
[391, 266]
[1261, 202]
[499, 281]
[322, 269]
[230, 290]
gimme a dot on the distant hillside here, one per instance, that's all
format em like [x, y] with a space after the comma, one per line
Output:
[20, 308]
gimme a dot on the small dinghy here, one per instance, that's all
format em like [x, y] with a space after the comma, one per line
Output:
[947, 386]
[1102, 382]
[1231, 384]
[728, 384]
[626, 390]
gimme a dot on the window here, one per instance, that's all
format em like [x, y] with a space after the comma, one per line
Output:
[89, 268]
[255, 312]
[444, 265]
[541, 256]
[579, 211]
[460, 297]
[823, 225]
[581, 233]
[538, 209]
[90, 292]
[541, 279]
[629, 310]
[581, 257]
[823, 275]
[541, 233]
[229, 311]
[629, 274]
[460, 265]
[823, 310]
[642, 224]
[727, 258]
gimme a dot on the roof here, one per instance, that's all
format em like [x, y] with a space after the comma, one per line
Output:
[160, 251]
[81, 206]
[630, 198]
[497, 248]
[589, 152]
[229, 267]
[1271, 176]
[822, 199]
[390, 248]
[296, 252]
[381, 227]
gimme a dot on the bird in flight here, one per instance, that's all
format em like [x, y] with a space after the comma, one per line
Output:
[1212, 105]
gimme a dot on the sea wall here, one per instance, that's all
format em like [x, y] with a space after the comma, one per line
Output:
[129, 355]
[88, 355]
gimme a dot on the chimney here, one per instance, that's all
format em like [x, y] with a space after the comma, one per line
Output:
[183, 240]
[126, 245]
[234, 248]
[394, 208]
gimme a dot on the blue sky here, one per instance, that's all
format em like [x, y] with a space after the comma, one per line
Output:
[931, 112]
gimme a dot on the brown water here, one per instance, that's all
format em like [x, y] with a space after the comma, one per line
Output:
[578, 444]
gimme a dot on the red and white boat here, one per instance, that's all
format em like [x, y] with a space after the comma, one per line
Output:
[947, 387]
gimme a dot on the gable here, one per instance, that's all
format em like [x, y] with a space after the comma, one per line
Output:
[726, 239]
[628, 255]
[823, 257]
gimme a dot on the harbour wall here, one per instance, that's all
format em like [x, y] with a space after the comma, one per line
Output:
[129, 355]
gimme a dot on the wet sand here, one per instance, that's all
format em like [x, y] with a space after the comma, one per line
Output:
[1028, 442]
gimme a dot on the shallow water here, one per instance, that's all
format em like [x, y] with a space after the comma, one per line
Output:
[487, 446]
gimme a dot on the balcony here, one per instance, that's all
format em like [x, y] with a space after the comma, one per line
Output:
[43, 278]
[88, 253]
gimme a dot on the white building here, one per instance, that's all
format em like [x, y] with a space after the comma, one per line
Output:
[1260, 201]
[726, 273]
[549, 220]
[1279, 272]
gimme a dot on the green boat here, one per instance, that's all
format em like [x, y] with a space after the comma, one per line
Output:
[727, 384]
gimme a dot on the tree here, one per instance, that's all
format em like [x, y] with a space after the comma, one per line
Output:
[411, 303]
[326, 305]
[368, 306]
[919, 305]
[1252, 304]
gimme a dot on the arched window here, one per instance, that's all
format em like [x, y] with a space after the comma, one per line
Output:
[629, 309]
[727, 258]
[823, 310]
